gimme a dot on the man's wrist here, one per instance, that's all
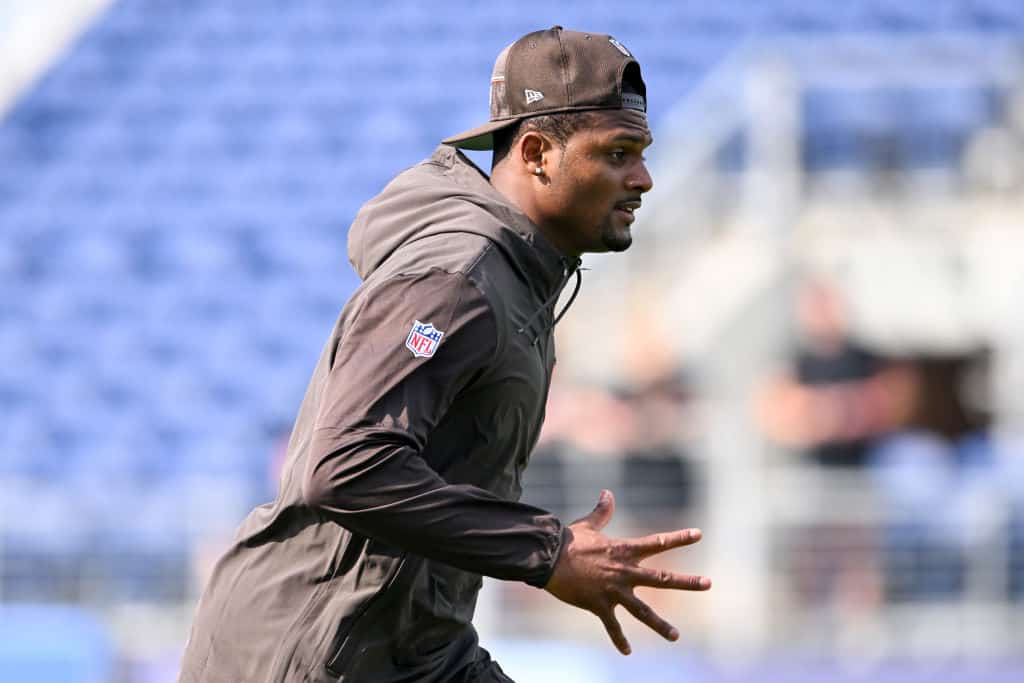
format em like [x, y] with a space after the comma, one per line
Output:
[564, 538]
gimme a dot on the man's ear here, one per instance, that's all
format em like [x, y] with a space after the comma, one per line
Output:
[534, 150]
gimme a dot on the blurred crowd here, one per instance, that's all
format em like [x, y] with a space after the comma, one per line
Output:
[638, 431]
[940, 515]
[916, 431]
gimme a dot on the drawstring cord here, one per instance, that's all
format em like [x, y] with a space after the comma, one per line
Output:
[551, 301]
[572, 297]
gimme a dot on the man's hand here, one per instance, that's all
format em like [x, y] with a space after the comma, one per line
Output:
[596, 573]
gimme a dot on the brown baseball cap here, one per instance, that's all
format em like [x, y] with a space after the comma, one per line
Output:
[551, 71]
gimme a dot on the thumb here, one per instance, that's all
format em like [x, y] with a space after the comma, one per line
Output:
[602, 512]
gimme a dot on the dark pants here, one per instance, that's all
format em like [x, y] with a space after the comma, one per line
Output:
[483, 670]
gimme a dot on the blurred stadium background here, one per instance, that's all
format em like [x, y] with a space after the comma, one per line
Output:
[815, 349]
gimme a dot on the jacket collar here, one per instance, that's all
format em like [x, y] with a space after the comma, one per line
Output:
[546, 267]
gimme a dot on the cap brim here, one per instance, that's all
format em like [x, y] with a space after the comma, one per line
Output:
[481, 137]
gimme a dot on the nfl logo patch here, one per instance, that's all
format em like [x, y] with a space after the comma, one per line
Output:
[423, 339]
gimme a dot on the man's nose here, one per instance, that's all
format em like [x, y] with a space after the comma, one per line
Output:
[641, 179]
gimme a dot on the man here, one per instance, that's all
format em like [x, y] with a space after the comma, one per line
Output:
[400, 485]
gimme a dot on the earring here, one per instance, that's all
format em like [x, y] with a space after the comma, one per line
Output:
[538, 171]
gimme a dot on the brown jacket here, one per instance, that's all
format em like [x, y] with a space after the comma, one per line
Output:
[403, 470]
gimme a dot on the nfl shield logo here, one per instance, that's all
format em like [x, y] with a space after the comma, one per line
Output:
[423, 339]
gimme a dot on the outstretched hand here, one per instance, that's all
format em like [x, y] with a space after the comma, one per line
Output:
[596, 573]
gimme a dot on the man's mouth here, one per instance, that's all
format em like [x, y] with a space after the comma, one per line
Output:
[627, 209]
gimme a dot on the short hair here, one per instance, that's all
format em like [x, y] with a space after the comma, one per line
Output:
[559, 127]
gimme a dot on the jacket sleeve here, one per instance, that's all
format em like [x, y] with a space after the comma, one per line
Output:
[377, 410]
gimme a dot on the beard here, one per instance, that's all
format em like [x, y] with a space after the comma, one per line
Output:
[616, 239]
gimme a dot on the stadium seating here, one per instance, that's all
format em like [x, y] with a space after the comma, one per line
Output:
[53, 644]
[174, 196]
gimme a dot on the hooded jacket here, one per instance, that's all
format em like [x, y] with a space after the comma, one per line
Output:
[400, 486]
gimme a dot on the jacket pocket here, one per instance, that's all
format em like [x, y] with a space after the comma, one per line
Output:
[347, 638]
[441, 615]
[453, 593]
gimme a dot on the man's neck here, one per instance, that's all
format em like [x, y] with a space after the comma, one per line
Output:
[519, 190]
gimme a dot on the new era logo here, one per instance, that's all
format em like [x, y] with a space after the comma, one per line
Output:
[533, 96]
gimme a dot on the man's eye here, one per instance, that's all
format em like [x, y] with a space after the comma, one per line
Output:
[618, 155]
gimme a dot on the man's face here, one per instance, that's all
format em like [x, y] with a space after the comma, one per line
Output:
[596, 183]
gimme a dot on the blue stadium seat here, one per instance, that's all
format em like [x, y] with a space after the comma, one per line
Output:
[801, 16]
[990, 15]
[887, 17]
[45, 644]
[24, 446]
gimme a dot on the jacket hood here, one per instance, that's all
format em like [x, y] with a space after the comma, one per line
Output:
[448, 193]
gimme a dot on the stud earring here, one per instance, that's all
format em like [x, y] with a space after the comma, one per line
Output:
[538, 171]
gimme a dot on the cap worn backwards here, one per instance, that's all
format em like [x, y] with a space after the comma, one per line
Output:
[555, 70]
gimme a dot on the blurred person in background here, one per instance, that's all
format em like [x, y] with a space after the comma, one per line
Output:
[658, 474]
[909, 425]
[401, 482]
[634, 431]
[636, 428]
[832, 406]
[837, 398]
[582, 423]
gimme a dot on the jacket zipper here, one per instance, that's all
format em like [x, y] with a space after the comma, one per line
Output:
[336, 663]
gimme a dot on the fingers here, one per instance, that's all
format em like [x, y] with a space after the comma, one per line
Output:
[602, 513]
[662, 578]
[645, 546]
[614, 629]
[645, 615]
